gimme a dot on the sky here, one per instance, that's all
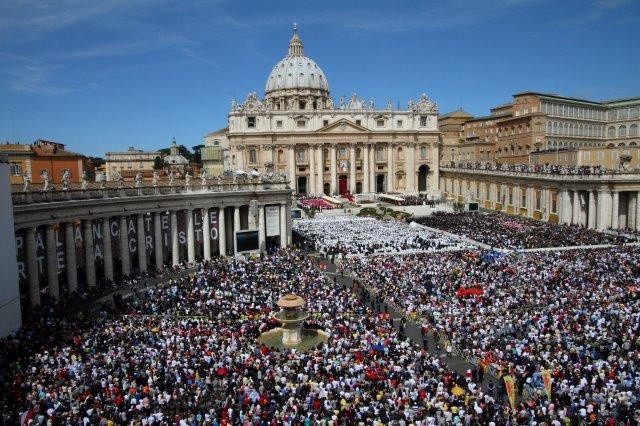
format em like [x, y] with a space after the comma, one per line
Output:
[106, 75]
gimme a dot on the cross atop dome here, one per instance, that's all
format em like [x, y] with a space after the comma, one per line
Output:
[295, 44]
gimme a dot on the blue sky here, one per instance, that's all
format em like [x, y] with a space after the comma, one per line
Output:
[105, 75]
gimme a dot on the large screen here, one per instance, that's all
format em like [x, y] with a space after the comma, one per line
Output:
[473, 207]
[247, 241]
[296, 214]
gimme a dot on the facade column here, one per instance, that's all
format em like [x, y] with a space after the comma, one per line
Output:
[531, 201]
[291, 153]
[311, 185]
[261, 230]
[222, 232]
[32, 267]
[124, 247]
[410, 170]
[366, 179]
[52, 262]
[175, 248]
[352, 168]
[206, 234]
[108, 255]
[70, 257]
[333, 173]
[191, 245]
[372, 168]
[390, 185]
[283, 225]
[236, 227]
[516, 200]
[142, 252]
[89, 258]
[576, 208]
[157, 240]
[591, 213]
[320, 167]
[615, 214]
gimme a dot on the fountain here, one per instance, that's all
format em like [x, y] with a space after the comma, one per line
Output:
[292, 335]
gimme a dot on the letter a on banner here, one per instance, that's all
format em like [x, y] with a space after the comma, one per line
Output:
[511, 390]
[546, 379]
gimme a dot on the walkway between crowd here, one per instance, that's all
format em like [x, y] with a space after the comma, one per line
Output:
[411, 329]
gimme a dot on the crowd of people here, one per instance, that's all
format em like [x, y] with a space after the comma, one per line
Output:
[185, 352]
[512, 232]
[553, 169]
[574, 312]
[343, 235]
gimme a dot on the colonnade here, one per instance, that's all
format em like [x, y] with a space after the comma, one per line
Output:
[596, 206]
[157, 234]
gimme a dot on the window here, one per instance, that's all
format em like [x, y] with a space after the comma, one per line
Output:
[301, 123]
[611, 132]
[16, 170]
[586, 156]
[303, 105]
[251, 122]
[380, 123]
[280, 156]
[379, 154]
[633, 130]
[359, 122]
[253, 157]
[300, 155]
[399, 123]
[325, 122]
[342, 152]
[423, 121]
[423, 152]
[622, 131]
[614, 154]
[279, 124]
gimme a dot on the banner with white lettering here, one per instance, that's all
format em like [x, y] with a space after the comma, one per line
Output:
[21, 257]
[272, 218]
[213, 231]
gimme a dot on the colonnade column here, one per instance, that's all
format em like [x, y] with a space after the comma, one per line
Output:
[261, 230]
[236, 227]
[222, 232]
[124, 247]
[283, 225]
[390, 185]
[366, 180]
[89, 260]
[615, 209]
[334, 176]
[32, 267]
[631, 209]
[157, 236]
[52, 262]
[311, 185]
[591, 214]
[108, 256]
[206, 234]
[70, 257]
[352, 168]
[638, 211]
[320, 171]
[603, 207]
[175, 254]
[576, 208]
[142, 253]
[191, 248]
[565, 207]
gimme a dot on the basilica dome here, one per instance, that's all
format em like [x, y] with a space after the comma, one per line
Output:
[296, 71]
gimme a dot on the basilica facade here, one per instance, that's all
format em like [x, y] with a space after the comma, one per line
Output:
[329, 147]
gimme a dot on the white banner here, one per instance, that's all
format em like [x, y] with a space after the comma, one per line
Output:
[272, 217]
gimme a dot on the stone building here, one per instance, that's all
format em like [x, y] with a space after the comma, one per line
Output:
[329, 147]
[215, 153]
[128, 163]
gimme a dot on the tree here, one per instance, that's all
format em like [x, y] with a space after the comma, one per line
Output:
[97, 161]
[197, 157]
[157, 163]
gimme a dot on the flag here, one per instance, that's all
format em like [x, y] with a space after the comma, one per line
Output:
[546, 379]
[511, 390]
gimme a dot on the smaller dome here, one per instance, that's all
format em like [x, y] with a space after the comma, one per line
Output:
[175, 159]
